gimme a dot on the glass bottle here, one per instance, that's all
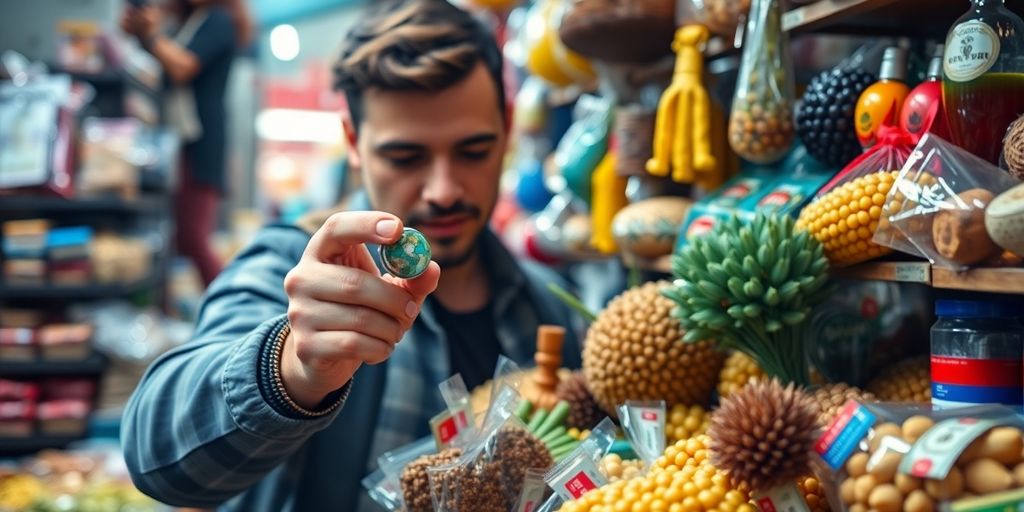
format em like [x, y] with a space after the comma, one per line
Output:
[922, 111]
[983, 77]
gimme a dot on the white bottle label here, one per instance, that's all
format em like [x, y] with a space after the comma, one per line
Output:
[971, 49]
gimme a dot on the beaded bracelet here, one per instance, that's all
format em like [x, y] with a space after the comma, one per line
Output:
[279, 388]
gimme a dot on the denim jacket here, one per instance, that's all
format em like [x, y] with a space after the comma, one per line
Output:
[199, 432]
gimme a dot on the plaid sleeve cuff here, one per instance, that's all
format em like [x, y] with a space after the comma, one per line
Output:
[272, 388]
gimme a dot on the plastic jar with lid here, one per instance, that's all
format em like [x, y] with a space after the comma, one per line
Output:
[977, 354]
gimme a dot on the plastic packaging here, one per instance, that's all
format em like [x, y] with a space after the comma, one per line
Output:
[847, 211]
[383, 485]
[977, 350]
[892, 457]
[644, 424]
[761, 126]
[454, 426]
[936, 207]
[579, 473]
[489, 474]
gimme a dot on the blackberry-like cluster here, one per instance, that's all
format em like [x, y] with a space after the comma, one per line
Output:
[825, 121]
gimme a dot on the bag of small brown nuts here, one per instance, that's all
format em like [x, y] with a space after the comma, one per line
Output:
[902, 458]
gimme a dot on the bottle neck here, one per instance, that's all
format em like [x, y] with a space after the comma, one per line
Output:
[978, 4]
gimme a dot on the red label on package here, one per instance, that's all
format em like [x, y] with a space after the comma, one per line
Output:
[580, 485]
[977, 372]
[766, 505]
[650, 416]
[447, 426]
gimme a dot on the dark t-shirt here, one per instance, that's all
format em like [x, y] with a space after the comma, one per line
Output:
[214, 45]
[472, 344]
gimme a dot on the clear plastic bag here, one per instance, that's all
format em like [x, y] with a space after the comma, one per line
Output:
[936, 208]
[579, 472]
[384, 484]
[903, 457]
[489, 475]
[847, 211]
[761, 128]
[644, 424]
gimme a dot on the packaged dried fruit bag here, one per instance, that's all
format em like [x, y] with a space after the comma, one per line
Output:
[847, 211]
[936, 207]
[490, 472]
[761, 126]
[897, 457]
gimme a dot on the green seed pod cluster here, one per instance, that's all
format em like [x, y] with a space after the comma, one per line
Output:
[749, 288]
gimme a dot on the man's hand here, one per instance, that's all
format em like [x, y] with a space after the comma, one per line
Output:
[343, 313]
[141, 22]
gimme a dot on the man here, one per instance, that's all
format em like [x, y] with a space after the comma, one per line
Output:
[307, 364]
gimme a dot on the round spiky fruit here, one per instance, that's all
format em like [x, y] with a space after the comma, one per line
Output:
[738, 370]
[584, 413]
[906, 381]
[762, 435]
[686, 421]
[634, 351]
[830, 399]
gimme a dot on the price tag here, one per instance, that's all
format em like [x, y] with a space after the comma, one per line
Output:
[847, 430]
[651, 430]
[912, 272]
[578, 479]
[933, 455]
[785, 498]
[447, 427]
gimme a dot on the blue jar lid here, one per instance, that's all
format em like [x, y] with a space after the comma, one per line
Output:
[978, 308]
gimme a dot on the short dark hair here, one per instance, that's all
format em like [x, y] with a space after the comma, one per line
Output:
[409, 45]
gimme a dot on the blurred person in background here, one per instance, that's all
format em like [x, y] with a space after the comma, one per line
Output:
[196, 60]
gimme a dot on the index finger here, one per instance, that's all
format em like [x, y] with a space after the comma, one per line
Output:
[343, 230]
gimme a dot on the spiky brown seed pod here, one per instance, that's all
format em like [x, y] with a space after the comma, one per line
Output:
[415, 483]
[762, 435]
[906, 381]
[830, 399]
[584, 413]
[634, 351]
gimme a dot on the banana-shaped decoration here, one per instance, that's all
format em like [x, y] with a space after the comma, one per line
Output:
[682, 137]
[608, 196]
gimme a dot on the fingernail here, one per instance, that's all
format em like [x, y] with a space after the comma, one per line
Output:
[386, 228]
[411, 309]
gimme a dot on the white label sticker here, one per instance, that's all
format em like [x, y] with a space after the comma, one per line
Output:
[533, 493]
[651, 430]
[785, 498]
[934, 454]
[971, 49]
[912, 272]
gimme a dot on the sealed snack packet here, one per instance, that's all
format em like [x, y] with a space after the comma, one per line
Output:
[579, 473]
[384, 484]
[644, 424]
[936, 208]
[897, 457]
[489, 474]
[847, 212]
[454, 426]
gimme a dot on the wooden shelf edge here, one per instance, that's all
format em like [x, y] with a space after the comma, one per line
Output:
[823, 12]
[992, 280]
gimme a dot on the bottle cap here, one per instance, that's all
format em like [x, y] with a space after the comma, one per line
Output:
[408, 257]
[978, 308]
[894, 64]
[935, 66]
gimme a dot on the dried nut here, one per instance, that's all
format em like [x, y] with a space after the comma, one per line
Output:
[986, 476]
[1018, 475]
[918, 501]
[862, 488]
[907, 484]
[847, 492]
[881, 432]
[959, 234]
[885, 470]
[857, 465]
[885, 498]
[1003, 444]
[971, 453]
[915, 426]
[948, 488]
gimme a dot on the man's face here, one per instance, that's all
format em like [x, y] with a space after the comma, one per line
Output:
[434, 159]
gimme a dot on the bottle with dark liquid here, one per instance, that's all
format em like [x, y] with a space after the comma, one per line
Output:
[983, 77]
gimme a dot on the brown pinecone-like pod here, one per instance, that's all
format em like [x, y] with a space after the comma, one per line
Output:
[762, 435]
[830, 399]
[584, 413]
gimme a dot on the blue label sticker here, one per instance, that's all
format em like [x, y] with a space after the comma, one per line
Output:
[840, 440]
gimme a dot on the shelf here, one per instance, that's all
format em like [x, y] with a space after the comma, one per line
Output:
[25, 445]
[25, 203]
[93, 365]
[904, 18]
[51, 291]
[990, 280]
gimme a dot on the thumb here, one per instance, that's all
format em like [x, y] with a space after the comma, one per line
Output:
[420, 286]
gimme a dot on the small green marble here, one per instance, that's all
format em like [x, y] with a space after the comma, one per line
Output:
[408, 257]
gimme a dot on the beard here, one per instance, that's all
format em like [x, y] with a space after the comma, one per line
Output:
[454, 259]
[457, 259]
